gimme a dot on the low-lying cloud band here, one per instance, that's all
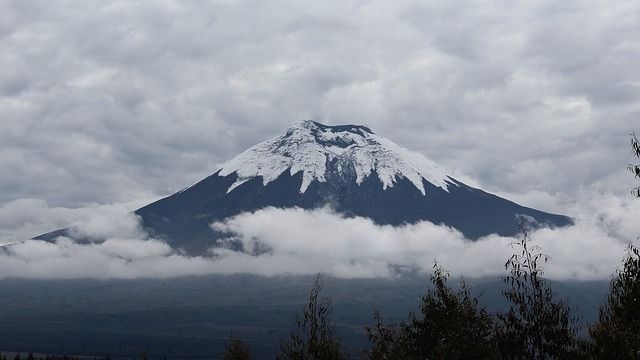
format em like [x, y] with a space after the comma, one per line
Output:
[300, 242]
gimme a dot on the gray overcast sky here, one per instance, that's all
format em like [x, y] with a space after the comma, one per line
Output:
[125, 101]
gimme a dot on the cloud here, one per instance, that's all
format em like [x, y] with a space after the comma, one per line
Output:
[26, 218]
[345, 246]
[127, 100]
[294, 241]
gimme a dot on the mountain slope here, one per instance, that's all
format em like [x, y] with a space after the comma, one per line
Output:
[349, 168]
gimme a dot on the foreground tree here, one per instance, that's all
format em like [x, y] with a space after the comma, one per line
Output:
[451, 325]
[616, 335]
[236, 350]
[387, 341]
[314, 337]
[617, 332]
[537, 325]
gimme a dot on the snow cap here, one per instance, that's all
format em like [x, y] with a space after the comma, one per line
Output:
[314, 149]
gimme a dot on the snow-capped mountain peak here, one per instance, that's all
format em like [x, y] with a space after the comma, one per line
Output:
[345, 152]
[350, 169]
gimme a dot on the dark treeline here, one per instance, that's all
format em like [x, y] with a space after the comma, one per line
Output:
[31, 356]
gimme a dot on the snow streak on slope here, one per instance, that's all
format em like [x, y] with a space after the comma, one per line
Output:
[349, 152]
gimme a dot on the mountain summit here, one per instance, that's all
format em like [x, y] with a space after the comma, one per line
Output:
[346, 167]
[332, 154]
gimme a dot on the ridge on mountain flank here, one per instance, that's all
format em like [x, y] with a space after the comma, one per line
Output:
[347, 167]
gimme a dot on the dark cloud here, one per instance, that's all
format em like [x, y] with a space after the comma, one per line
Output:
[129, 100]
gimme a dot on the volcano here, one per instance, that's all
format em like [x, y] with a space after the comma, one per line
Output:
[348, 168]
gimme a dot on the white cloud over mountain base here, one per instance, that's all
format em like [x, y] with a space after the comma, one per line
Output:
[297, 241]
